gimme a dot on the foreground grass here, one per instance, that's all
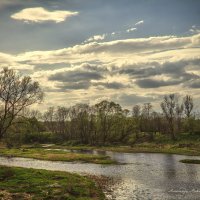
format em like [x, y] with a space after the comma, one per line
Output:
[22, 183]
[54, 155]
[190, 161]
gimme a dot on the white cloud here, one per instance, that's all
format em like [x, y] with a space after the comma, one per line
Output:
[39, 15]
[10, 61]
[131, 29]
[97, 69]
[96, 38]
[139, 22]
[136, 45]
[196, 40]
[195, 29]
[153, 48]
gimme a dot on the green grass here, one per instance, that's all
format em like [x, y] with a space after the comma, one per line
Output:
[54, 155]
[171, 148]
[142, 148]
[186, 144]
[190, 161]
[21, 183]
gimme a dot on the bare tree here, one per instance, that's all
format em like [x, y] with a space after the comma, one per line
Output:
[16, 93]
[188, 105]
[61, 116]
[106, 111]
[146, 119]
[49, 118]
[156, 122]
[179, 115]
[168, 106]
[136, 114]
[146, 110]
[136, 111]
[82, 121]
[124, 125]
[31, 113]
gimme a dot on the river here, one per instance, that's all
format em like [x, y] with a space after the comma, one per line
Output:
[145, 176]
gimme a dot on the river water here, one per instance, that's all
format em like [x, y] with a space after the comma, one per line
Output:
[145, 176]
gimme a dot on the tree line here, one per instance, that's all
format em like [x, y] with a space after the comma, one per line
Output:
[108, 122]
[103, 123]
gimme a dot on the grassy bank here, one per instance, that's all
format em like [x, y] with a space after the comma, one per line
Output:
[54, 155]
[190, 161]
[155, 148]
[22, 183]
[186, 144]
[141, 148]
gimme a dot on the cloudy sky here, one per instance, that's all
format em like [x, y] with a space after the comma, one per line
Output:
[84, 51]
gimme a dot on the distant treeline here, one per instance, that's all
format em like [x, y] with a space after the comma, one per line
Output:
[100, 124]
[108, 123]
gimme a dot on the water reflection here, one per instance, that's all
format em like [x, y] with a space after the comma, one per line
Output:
[145, 176]
[191, 173]
[169, 167]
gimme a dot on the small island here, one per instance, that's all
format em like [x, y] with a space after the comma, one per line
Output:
[190, 161]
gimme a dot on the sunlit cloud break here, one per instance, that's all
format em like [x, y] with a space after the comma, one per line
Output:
[39, 15]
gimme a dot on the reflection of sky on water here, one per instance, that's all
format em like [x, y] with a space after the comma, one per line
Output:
[145, 176]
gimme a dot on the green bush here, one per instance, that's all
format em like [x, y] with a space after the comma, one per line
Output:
[40, 137]
[13, 140]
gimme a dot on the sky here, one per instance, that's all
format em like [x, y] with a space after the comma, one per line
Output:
[84, 51]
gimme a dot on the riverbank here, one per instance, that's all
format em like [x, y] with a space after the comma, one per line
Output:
[55, 155]
[22, 183]
[186, 144]
[191, 150]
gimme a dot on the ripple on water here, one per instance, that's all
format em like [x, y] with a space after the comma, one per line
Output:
[145, 176]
